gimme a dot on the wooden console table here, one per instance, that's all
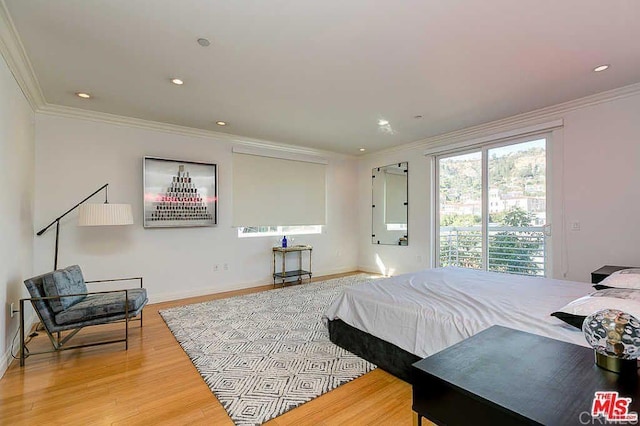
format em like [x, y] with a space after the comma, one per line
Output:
[297, 273]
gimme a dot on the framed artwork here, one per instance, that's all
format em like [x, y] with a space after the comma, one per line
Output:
[179, 193]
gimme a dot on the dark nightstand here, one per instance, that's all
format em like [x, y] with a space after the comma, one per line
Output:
[602, 273]
[505, 376]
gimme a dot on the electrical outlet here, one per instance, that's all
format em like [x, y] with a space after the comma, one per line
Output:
[419, 259]
[216, 268]
[226, 267]
[575, 226]
[11, 310]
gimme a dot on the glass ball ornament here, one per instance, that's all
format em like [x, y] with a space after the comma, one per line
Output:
[613, 333]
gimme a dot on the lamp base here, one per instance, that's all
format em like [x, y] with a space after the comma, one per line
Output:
[617, 365]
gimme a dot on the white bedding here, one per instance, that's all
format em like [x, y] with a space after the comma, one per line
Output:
[427, 311]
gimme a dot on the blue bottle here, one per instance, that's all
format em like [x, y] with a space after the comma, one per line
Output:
[284, 242]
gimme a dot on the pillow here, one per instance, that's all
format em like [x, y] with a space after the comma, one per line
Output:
[64, 281]
[625, 278]
[575, 312]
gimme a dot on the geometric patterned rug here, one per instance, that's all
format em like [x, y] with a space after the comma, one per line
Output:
[265, 353]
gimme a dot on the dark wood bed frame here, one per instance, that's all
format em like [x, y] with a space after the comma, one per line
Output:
[385, 355]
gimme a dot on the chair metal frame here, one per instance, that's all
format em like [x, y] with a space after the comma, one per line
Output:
[58, 341]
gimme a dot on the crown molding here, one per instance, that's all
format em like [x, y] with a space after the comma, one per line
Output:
[521, 132]
[262, 152]
[527, 119]
[15, 56]
[119, 120]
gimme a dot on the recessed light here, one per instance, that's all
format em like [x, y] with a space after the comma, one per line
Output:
[83, 95]
[601, 68]
[362, 150]
[221, 123]
[382, 122]
[203, 42]
[177, 81]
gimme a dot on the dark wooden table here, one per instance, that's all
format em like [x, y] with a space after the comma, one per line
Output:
[602, 273]
[507, 377]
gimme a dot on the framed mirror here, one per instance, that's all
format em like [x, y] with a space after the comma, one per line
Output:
[390, 204]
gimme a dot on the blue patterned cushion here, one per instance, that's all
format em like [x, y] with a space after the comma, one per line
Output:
[35, 286]
[62, 282]
[102, 305]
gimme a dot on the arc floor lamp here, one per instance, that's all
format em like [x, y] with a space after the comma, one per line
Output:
[94, 215]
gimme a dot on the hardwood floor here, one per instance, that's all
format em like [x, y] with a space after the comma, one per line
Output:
[154, 382]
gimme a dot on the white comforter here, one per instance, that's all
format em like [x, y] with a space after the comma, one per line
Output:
[427, 311]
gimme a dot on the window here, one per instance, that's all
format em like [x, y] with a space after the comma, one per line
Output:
[266, 231]
[492, 208]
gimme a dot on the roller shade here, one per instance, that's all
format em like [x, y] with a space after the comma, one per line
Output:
[277, 191]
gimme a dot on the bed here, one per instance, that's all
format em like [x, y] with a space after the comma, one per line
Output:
[396, 321]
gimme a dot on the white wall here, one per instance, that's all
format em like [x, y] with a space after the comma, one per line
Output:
[602, 186]
[596, 178]
[394, 259]
[16, 209]
[74, 157]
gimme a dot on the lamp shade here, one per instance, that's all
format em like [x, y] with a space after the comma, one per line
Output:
[105, 214]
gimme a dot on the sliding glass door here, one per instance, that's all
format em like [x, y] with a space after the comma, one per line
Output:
[492, 208]
[460, 196]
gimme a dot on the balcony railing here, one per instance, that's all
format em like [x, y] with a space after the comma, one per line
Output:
[516, 250]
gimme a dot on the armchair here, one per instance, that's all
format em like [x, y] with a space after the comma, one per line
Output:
[63, 303]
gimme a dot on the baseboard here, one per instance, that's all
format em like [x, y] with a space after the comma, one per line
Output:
[327, 272]
[6, 360]
[369, 269]
[168, 297]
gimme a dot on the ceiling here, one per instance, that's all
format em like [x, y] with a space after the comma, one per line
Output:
[321, 74]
